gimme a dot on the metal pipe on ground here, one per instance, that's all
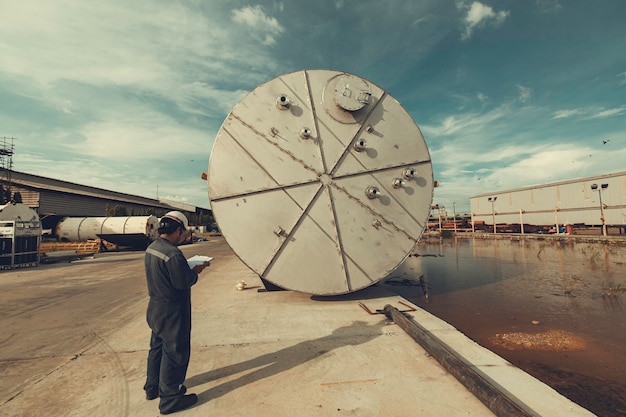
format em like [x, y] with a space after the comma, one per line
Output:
[497, 401]
[61, 256]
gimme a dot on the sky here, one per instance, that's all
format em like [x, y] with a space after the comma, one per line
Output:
[129, 95]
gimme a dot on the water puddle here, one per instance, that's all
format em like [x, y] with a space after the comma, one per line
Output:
[549, 307]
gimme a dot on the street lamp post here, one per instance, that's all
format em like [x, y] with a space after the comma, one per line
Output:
[473, 225]
[556, 219]
[454, 211]
[493, 212]
[439, 215]
[602, 187]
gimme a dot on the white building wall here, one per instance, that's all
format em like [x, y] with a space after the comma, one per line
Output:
[566, 202]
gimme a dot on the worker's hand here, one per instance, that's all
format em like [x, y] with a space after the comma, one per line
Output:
[200, 268]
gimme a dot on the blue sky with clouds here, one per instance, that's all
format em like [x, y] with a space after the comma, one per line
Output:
[129, 95]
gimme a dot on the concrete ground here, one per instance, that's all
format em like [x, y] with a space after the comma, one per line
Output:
[74, 343]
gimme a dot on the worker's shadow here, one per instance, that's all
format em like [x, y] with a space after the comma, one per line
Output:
[274, 363]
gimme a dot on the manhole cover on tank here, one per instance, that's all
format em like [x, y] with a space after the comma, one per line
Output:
[320, 182]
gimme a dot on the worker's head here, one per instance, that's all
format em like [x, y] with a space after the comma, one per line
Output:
[171, 222]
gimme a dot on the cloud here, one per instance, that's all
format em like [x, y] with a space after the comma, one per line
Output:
[256, 20]
[545, 162]
[128, 141]
[548, 6]
[554, 163]
[564, 114]
[621, 78]
[423, 19]
[603, 114]
[480, 15]
[46, 35]
[511, 146]
[524, 93]
[156, 49]
[512, 167]
[588, 113]
[468, 122]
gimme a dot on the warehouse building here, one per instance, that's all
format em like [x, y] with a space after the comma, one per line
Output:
[593, 202]
[55, 199]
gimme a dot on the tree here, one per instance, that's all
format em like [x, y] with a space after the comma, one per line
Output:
[116, 211]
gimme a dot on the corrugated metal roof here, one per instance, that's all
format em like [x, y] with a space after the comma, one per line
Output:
[51, 184]
[179, 205]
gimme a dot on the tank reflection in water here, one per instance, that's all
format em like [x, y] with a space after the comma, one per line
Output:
[553, 308]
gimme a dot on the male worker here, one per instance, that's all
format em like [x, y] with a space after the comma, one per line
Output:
[169, 315]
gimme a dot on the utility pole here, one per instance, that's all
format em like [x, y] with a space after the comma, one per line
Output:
[493, 212]
[602, 218]
[454, 212]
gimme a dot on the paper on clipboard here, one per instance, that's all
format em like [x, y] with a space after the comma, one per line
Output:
[198, 260]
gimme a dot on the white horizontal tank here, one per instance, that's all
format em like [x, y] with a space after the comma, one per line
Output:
[80, 229]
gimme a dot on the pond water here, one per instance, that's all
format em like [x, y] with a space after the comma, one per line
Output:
[553, 308]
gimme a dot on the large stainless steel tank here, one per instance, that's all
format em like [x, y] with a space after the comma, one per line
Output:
[321, 182]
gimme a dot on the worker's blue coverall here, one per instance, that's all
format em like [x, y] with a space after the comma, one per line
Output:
[169, 316]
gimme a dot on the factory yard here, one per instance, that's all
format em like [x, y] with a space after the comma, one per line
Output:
[54, 313]
[74, 343]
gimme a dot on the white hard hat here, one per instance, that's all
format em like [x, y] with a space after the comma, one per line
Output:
[179, 217]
